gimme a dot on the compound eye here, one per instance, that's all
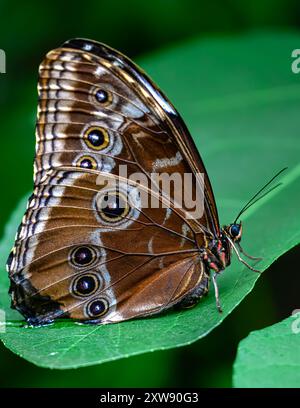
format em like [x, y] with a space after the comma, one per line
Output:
[235, 231]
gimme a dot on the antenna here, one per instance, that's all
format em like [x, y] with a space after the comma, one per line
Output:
[255, 198]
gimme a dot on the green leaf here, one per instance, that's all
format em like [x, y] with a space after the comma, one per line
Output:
[270, 357]
[241, 102]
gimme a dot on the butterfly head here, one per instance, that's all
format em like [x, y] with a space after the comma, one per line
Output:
[234, 231]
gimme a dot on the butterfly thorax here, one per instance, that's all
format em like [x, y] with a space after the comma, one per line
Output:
[218, 254]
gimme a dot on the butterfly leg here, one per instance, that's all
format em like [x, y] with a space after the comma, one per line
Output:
[239, 256]
[243, 261]
[214, 279]
[255, 258]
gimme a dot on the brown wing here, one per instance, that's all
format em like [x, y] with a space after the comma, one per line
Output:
[98, 111]
[143, 126]
[139, 262]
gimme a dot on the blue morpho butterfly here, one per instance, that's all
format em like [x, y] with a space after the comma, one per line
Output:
[75, 258]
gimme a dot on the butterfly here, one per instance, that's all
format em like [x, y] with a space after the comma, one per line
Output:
[87, 248]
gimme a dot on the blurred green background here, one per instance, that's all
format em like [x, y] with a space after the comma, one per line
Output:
[28, 30]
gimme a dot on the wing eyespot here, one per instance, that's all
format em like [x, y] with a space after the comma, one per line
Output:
[97, 308]
[83, 256]
[103, 97]
[87, 162]
[85, 285]
[96, 138]
[113, 206]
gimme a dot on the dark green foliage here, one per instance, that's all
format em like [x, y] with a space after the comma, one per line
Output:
[244, 122]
